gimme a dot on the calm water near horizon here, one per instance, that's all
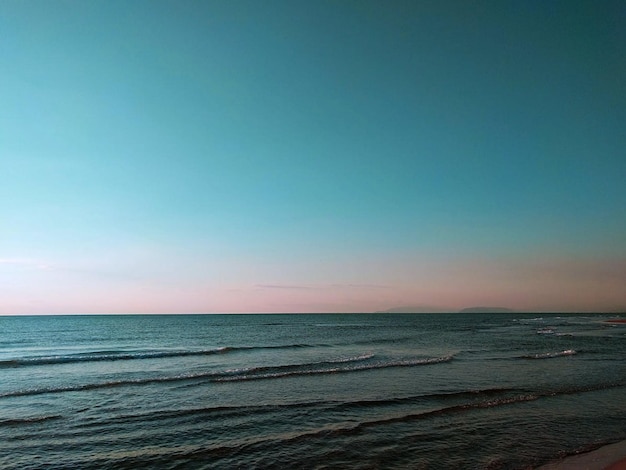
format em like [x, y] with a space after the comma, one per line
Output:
[357, 391]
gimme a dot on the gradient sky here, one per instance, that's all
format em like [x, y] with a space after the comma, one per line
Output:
[312, 156]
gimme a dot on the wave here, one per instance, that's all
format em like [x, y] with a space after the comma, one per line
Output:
[101, 385]
[267, 371]
[391, 340]
[33, 419]
[355, 429]
[340, 365]
[125, 355]
[582, 389]
[550, 355]
[213, 411]
[452, 409]
[97, 356]
[439, 397]
[249, 410]
[290, 371]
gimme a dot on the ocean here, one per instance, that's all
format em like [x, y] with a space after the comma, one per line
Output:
[358, 391]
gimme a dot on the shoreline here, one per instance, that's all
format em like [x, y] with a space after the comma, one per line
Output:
[607, 457]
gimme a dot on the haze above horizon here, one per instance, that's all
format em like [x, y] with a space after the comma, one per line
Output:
[294, 156]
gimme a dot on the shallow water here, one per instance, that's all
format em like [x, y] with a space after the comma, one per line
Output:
[440, 391]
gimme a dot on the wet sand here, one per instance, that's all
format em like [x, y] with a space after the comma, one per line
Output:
[609, 457]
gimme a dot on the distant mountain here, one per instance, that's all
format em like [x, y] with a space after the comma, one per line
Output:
[432, 309]
[416, 309]
[486, 310]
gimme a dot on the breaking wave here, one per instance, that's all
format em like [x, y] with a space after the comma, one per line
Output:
[550, 355]
[336, 366]
[124, 355]
[287, 371]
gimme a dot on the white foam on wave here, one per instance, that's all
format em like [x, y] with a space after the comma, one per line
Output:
[549, 355]
[341, 365]
[286, 371]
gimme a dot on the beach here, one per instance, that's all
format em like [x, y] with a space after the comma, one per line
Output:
[609, 457]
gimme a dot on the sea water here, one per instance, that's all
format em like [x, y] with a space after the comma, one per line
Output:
[359, 391]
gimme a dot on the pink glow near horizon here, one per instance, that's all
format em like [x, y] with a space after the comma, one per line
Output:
[525, 284]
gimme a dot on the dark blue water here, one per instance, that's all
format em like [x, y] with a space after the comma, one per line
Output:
[308, 391]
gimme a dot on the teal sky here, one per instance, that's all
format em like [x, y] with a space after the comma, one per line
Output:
[304, 156]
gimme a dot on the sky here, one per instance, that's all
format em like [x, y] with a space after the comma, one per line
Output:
[312, 156]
